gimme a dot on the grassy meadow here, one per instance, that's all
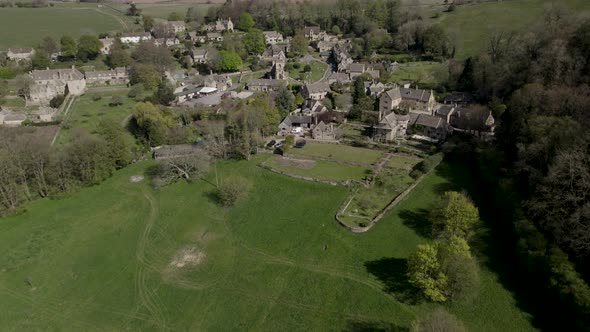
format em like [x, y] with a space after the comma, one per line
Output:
[111, 258]
[87, 113]
[338, 152]
[22, 27]
[471, 25]
[316, 73]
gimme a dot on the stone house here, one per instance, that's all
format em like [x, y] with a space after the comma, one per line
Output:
[391, 127]
[263, 84]
[338, 78]
[135, 37]
[214, 37]
[323, 131]
[196, 38]
[315, 91]
[107, 43]
[429, 126]
[219, 82]
[445, 112]
[185, 93]
[342, 58]
[294, 121]
[224, 25]
[168, 42]
[200, 55]
[472, 120]
[276, 52]
[313, 33]
[115, 76]
[177, 26]
[50, 83]
[411, 100]
[272, 37]
[277, 70]
[20, 54]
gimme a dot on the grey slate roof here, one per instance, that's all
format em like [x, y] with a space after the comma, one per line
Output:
[415, 94]
[318, 87]
[57, 74]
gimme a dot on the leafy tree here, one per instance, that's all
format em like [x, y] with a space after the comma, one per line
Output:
[118, 147]
[69, 49]
[163, 30]
[151, 123]
[88, 47]
[454, 214]
[232, 190]
[437, 42]
[336, 30]
[228, 61]
[299, 44]
[187, 167]
[40, 60]
[425, 273]
[118, 56]
[164, 95]
[133, 10]
[254, 41]
[246, 22]
[307, 68]
[145, 74]
[116, 101]
[148, 22]
[285, 101]
[438, 321]
[158, 56]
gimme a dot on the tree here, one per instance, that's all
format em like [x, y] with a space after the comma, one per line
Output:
[118, 147]
[151, 123]
[164, 95]
[232, 190]
[116, 101]
[133, 10]
[460, 268]
[163, 30]
[437, 42]
[285, 101]
[40, 60]
[254, 41]
[69, 49]
[246, 22]
[454, 214]
[299, 44]
[438, 321]
[424, 271]
[158, 56]
[88, 47]
[118, 56]
[307, 68]
[145, 74]
[228, 61]
[148, 22]
[188, 167]
[49, 45]
[23, 85]
[336, 30]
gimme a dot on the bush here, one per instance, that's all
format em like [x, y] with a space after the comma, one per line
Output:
[416, 173]
[135, 91]
[296, 65]
[7, 73]
[96, 97]
[116, 101]
[307, 68]
[232, 190]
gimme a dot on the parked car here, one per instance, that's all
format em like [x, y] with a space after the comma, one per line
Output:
[297, 130]
[271, 144]
[279, 144]
[300, 143]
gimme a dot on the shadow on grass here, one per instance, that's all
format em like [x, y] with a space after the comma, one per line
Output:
[418, 221]
[373, 326]
[393, 273]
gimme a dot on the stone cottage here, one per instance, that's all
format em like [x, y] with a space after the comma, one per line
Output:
[50, 83]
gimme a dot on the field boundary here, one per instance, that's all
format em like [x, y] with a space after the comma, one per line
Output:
[383, 211]
[346, 183]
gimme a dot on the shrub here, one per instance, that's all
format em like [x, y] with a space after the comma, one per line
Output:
[57, 101]
[232, 190]
[116, 101]
[96, 97]
[7, 73]
[307, 68]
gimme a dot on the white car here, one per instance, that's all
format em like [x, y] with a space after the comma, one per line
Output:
[297, 130]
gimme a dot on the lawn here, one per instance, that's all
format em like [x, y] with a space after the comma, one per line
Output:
[87, 113]
[471, 25]
[402, 162]
[20, 27]
[426, 72]
[107, 258]
[338, 152]
[162, 10]
[316, 74]
[322, 170]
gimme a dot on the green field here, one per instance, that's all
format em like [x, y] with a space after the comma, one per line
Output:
[162, 10]
[20, 27]
[338, 152]
[87, 113]
[426, 72]
[108, 258]
[471, 25]
[322, 170]
[316, 74]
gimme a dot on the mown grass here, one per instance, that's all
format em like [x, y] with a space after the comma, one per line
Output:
[87, 113]
[338, 152]
[471, 25]
[99, 260]
[21, 27]
[426, 72]
[316, 73]
[323, 170]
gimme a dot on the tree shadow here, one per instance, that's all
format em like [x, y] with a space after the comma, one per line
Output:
[373, 326]
[418, 221]
[393, 273]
